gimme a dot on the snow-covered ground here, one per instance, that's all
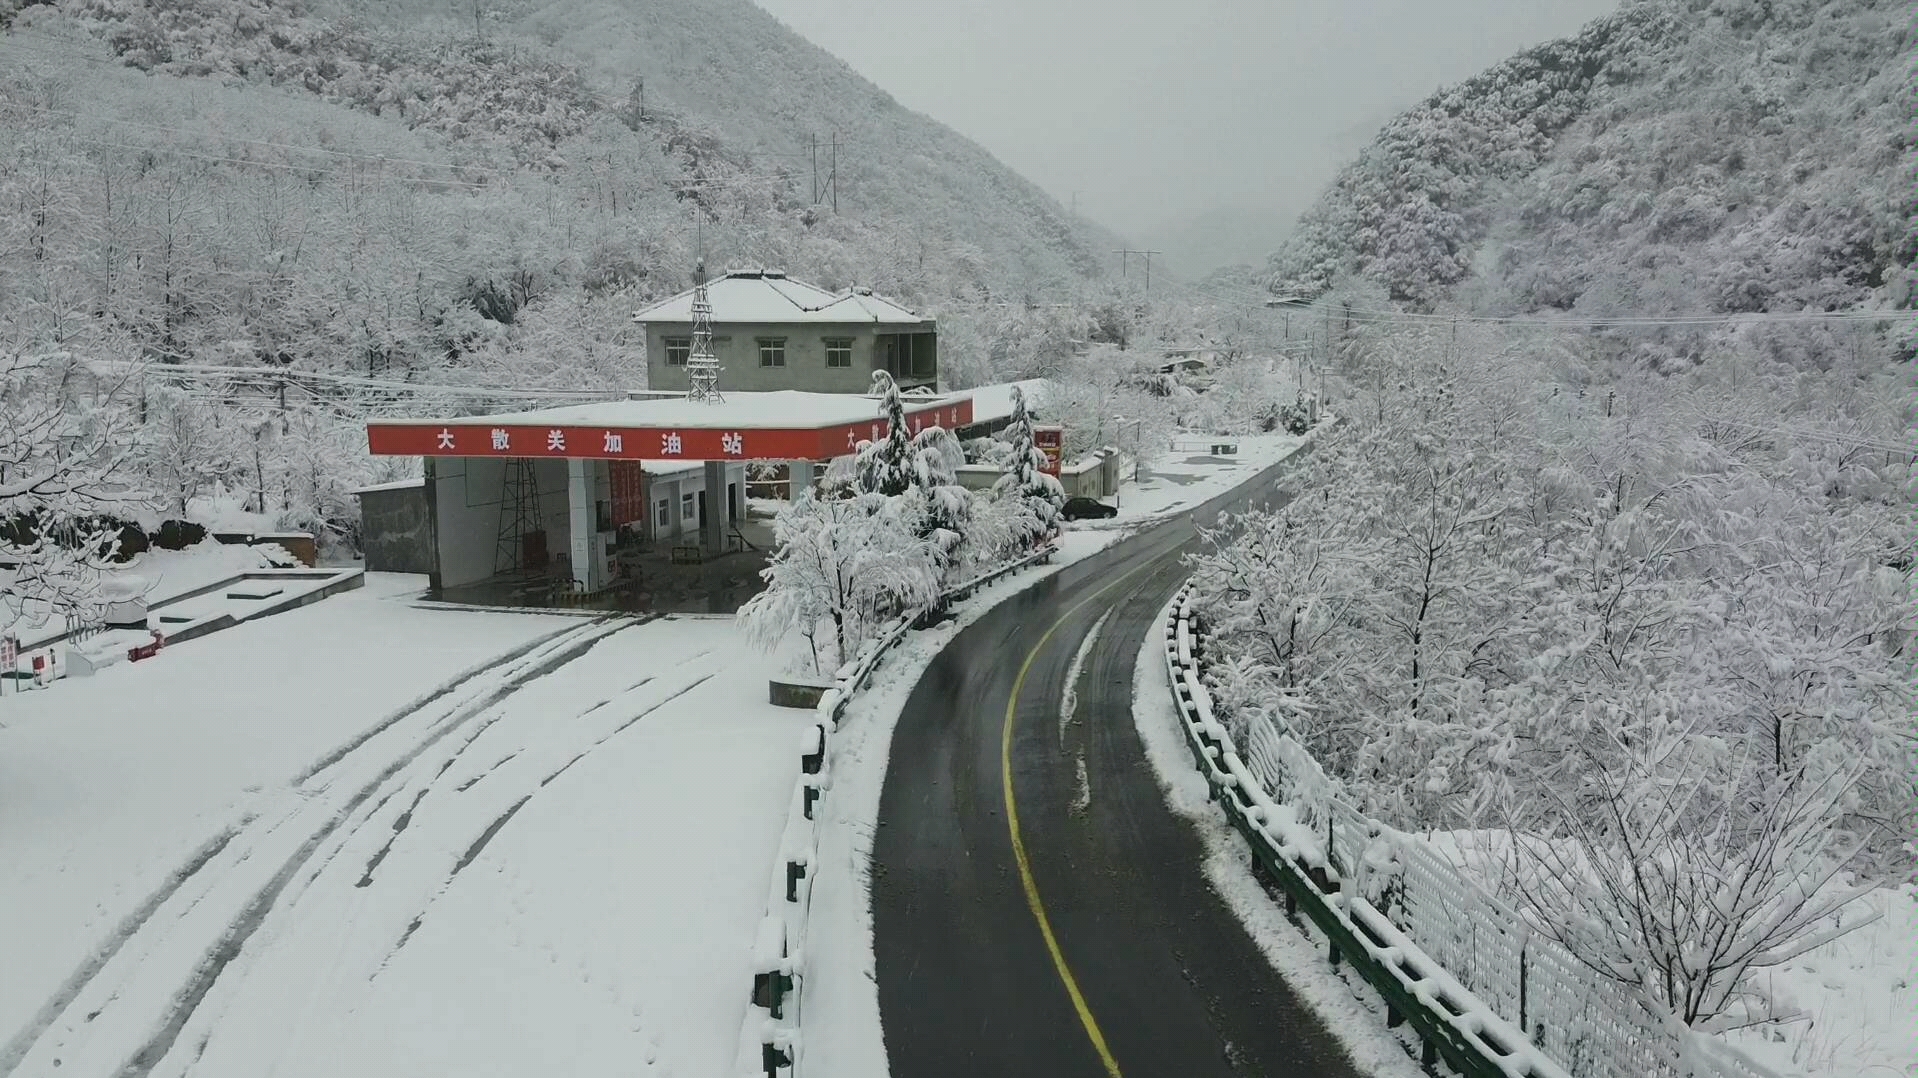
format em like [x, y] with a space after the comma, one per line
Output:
[1190, 475]
[1855, 996]
[1859, 995]
[367, 837]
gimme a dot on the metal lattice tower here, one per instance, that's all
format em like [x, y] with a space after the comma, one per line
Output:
[518, 515]
[702, 369]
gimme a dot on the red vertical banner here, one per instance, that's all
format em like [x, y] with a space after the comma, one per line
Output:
[629, 492]
[1050, 438]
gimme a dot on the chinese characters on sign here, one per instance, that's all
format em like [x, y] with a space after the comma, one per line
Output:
[501, 440]
[615, 443]
[556, 441]
[446, 438]
[733, 444]
[670, 443]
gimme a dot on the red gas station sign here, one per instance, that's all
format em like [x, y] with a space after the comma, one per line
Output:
[478, 438]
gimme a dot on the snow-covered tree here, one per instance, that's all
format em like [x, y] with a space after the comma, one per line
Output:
[921, 466]
[840, 567]
[1679, 864]
[64, 448]
[1026, 478]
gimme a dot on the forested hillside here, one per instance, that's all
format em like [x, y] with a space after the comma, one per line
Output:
[1679, 156]
[1609, 573]
[350, 202]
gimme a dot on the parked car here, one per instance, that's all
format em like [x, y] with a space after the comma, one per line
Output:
[1087, 508]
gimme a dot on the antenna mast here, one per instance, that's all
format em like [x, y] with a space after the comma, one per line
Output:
[702, 369]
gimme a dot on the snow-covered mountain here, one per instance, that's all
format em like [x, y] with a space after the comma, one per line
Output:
[414, 208]
[1676, 156]
[570, 141]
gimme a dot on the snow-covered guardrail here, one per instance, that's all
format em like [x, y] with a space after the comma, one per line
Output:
[1485, 994]
[769, 1042]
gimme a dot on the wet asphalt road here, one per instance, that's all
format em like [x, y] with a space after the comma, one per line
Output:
[968, 985]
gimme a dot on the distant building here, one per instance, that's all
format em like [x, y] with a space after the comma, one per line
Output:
[771, 332]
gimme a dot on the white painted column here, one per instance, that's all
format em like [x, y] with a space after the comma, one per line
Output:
[580, 523]
[800, 477]
[714, 537]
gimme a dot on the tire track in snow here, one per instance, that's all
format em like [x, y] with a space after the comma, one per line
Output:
[499, 823]
[223, 952]
[22, 1042]
[136, 924]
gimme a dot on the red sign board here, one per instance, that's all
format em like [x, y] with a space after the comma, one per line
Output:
[1050, 439]
[629, 492]
[469, 438]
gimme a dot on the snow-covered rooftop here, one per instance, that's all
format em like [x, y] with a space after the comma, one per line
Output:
[993, 403]
[779, 409]
[775, 297]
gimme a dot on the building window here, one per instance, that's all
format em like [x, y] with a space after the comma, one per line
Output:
[838, 351]
[772, 351]
[688, 508]
[677, 349]
[923, 363]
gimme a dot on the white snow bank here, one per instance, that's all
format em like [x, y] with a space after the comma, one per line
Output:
[161, 575]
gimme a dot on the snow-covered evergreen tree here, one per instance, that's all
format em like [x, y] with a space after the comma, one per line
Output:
[1026, 479]
[922, 466]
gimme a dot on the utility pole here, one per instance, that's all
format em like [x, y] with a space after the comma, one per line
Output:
[832, 175]
[1125, 256]
[815, 169]
[1075, 203]
[476, 33]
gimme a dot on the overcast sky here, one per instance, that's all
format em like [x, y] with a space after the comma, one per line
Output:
[1162, 112]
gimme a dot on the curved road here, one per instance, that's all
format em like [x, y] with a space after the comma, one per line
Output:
[1091, 945]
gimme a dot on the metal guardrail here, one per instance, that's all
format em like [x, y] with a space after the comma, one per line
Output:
[769, 1043]
[1485, 995]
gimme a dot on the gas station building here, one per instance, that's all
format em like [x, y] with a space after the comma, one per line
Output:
[560, 492]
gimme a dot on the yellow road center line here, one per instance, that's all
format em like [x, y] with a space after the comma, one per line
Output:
[1033, 901]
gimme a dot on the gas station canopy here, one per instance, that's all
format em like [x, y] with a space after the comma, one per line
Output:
[782, 425]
